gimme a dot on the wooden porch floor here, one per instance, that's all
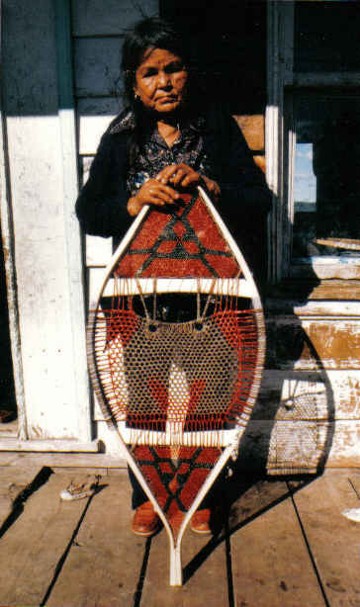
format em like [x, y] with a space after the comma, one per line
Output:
[284, 543]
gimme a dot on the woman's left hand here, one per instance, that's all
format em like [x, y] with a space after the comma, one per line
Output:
[183, 176]
[179, 175]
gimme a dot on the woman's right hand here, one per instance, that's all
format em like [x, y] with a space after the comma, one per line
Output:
[152, 192]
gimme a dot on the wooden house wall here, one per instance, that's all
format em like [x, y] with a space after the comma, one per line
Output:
[40, 234]
[313, 307]
[308, 412]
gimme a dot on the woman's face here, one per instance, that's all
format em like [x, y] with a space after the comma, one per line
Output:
[160, 81]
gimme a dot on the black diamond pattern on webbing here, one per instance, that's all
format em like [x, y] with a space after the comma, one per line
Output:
[157, 463]
[179, 251]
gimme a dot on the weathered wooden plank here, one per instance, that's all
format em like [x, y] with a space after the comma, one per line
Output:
[85, 162]
[298, 447]
[289, 446]
[98, 250]
[295, 395]
[208, 584]
[59, 460]
[96, 276]
[105, 561]
[253, 129]
[330, 395]
[29, 54]
[31, 549]
[111, 17]
[70, 446]
[12, 484]
[354, 480]
[97, 67]
[38, 149]
[313, 308]
[325, 78]
[313, 344]
[270, 562]
[72, 241]
[98, 254]
[110, 440]
[94, 116]
[9, 429]
[326, 290]
[8, 263]
[333, 539]
[344, 443]
[326, 268]
[243, 490]
[260, 160]
[254, 450]
[91, 129]
[285, 447]
[9, 459]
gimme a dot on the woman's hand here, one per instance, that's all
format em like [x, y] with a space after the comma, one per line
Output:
[183, 176]
[179, 176]
[153, 192]
[161, 191]
[213, 188]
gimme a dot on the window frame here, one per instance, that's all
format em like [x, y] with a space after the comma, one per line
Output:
[280, 149]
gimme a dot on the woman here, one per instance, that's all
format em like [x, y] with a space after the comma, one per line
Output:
[161, 144]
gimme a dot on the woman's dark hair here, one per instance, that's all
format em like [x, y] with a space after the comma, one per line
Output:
[152, 32]
[149, 33]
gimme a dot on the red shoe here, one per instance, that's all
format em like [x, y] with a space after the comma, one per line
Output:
[145, 520]
[200, 522]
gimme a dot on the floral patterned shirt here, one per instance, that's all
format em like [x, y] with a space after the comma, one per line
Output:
[155, 155]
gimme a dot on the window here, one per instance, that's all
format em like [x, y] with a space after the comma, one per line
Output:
[326, 175]
[326, 36]
[313, 141]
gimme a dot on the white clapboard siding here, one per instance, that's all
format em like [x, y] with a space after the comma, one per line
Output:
[98, 250]
[317, 308]
[41, 165]
[95, 280]
[97, 67]
[91, 128]
[324, 343]
[86, 162]
[328, 268]
[309, 395]
[94, 116]
[109, 17]
[287, 446]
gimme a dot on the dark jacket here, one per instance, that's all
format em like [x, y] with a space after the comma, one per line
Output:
[245, 198]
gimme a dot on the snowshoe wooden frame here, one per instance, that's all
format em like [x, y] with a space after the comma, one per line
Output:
[228, 439]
